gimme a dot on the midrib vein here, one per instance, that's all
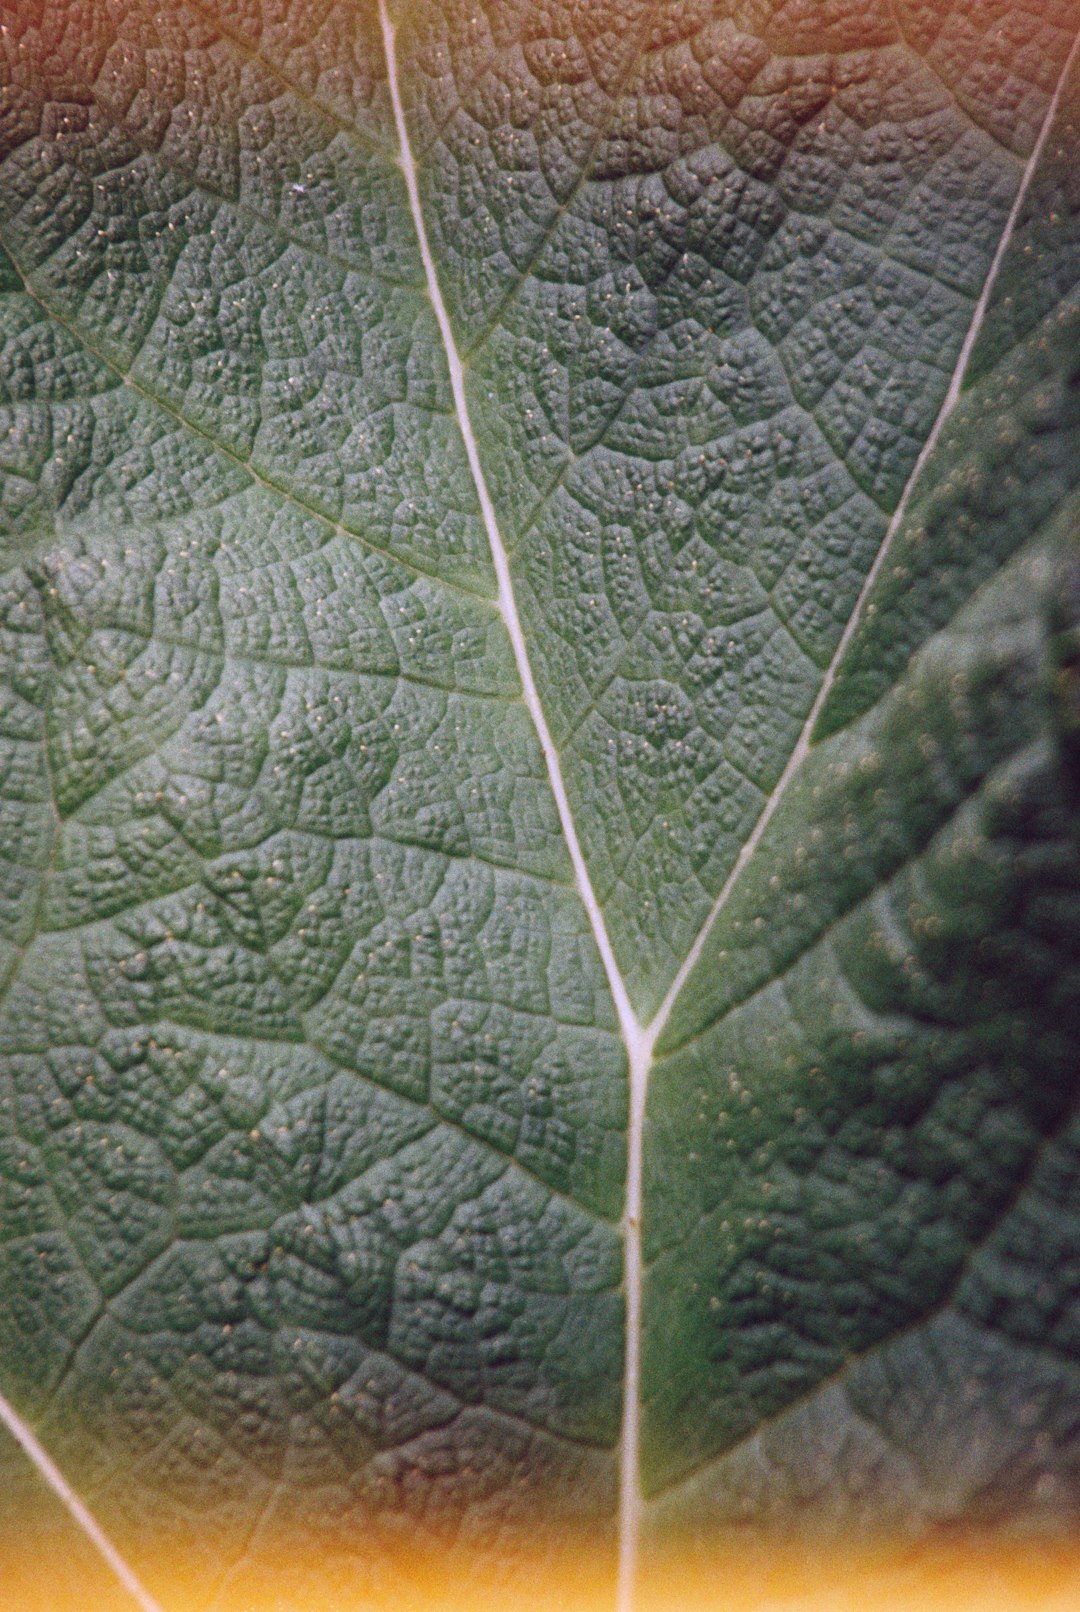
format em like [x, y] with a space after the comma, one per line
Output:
[640, 1040]
[637, 1039]
[500, 560]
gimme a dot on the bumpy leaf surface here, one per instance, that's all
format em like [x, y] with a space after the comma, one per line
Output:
[744, 337]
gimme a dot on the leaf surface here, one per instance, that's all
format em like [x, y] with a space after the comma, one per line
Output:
[539, 759]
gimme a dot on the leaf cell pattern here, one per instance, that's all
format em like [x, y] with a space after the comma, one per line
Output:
[317, 1095]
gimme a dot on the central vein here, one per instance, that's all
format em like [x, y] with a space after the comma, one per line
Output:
[638, 1040]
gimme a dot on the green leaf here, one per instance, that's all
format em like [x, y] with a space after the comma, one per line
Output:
[539, 777]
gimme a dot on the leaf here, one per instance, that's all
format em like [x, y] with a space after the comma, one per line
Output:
[539, 895]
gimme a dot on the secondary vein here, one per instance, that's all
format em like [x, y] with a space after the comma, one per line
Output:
[77, 1508]
[952, 397]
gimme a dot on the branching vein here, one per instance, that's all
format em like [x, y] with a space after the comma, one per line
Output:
[639, 1039]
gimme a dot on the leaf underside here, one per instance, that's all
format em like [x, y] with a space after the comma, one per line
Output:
[313, 1091]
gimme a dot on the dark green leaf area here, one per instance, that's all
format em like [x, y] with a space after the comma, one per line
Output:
[843, 1120]
[965, 1418]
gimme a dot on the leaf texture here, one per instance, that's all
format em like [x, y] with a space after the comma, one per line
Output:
[538, 562]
